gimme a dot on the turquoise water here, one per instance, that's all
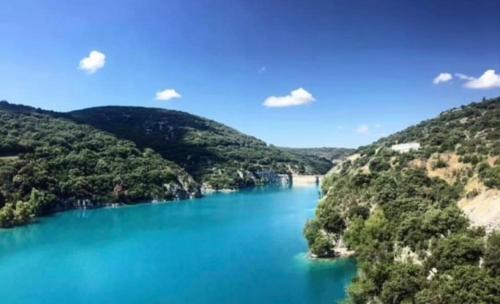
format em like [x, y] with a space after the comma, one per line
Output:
[244, 247]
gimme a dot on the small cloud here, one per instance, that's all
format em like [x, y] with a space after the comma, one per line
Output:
[363, 129]
[93, 62]
[340, 127]
[442, 77]
[167, 95]
[378, 126]
[262, 69]
[463, 76]
[488, 80]
[295, 98]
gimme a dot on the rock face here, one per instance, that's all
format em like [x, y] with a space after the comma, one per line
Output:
[406, 147]
[306, 180]
[483, 209]
[270, 177]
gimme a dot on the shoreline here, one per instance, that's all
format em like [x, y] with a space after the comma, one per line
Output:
[299, 180]
[87, 205]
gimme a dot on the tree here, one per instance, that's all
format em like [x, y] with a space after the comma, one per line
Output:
[458, 249]
[2, 200]
[311, 231]
[492, 254]
[7, 215]
[330, 219]
[321, 246]
[23, 213]
[461, 285]
[404, 281]
[41, 201]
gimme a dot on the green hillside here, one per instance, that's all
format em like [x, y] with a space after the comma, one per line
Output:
[396, 209]
[49, 164]
[331, 154]
[214, 154]
[52, 161]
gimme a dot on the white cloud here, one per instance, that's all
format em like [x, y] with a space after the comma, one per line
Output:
[167, 95]
[262, 69]
[463, 76]
[94, 62]
[363, 129]
[442, 77]
[488, 80]
[295, 98]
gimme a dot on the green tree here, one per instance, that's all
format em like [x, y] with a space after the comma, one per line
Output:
[458, 249]
[461, 285]
[23, 213]
[492, 254]
[404, 281]
[311, 231]
[7, 215]
[322, 246]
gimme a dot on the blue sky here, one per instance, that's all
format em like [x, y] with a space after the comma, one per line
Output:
[359, 69]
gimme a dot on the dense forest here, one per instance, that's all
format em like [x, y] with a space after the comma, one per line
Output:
[49, 164]
[52, 161]
[214, 154]
[396, 209]
[331, 154]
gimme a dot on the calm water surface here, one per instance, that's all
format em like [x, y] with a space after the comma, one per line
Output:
[244, 247]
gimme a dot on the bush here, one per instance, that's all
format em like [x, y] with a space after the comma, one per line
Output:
[462, 284]
[321, 246]
[456, 250]
[311, 231]
[403, 283]
[492, 254]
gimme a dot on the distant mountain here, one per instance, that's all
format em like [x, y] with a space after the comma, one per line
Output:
[331, 154]
[409, 206]
[50, 163]
[214, 154]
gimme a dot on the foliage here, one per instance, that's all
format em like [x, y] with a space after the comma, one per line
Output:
[321, 246]
[413, 244]
[490, 175]
[331, 154]
[402, 284]
[492, 254]
[462, 284]
[212, 153]
[49, 163]
[458, 249]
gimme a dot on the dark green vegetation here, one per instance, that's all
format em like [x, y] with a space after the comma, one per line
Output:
[331, 154]
[413, 244]
[53, 161]
[49, 164]
[214, 154]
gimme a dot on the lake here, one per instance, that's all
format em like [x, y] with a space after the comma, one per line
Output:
[243, 247]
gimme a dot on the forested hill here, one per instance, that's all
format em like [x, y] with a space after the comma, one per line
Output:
[214, 154]
[49, 163]
[329, 153]
[399, 204]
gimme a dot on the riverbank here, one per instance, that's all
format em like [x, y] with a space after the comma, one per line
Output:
[306, 180]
